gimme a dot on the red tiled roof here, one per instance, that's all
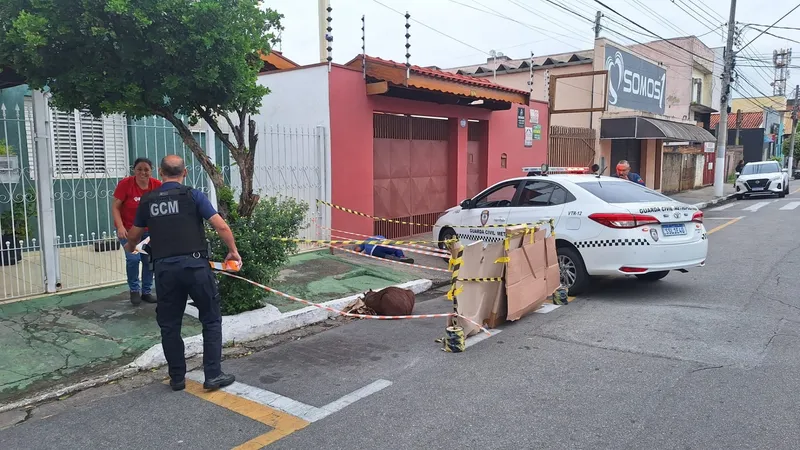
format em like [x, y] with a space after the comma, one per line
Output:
[448, 76]
[749, 120]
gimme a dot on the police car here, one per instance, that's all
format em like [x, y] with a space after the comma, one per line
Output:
[604, 225]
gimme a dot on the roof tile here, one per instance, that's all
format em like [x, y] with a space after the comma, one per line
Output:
[749, 120]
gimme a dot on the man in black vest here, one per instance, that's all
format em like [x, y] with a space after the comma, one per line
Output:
[174, 215]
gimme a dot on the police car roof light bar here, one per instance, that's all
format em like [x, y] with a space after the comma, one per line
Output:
[556, 170]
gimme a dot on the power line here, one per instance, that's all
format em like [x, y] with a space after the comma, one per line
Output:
[569, 10]
[777, 36]
[697, 17]
[655, 16]
[433, 29]
[654, 34]
[768, 28]
[773, 26]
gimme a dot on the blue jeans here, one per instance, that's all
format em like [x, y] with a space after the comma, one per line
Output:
[132, 268]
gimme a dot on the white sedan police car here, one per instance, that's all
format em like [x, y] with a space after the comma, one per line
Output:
[762, 177]
[604, 225]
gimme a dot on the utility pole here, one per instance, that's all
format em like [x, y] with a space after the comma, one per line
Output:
[597, 26]
[322, 16]
[722, 136]
[795, 109]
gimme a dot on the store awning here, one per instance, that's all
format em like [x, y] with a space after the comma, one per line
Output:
[647, 128]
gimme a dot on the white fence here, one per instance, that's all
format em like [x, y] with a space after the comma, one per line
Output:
[291, 162]
[58, 233]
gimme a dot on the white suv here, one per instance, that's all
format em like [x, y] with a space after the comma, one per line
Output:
[762, 178]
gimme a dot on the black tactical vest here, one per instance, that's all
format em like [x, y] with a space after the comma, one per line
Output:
[175, 226]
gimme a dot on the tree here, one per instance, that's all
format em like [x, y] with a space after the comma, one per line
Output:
[170, 58]
[786, 142]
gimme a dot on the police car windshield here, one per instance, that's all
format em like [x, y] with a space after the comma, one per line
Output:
[752, 169]
[622, 192]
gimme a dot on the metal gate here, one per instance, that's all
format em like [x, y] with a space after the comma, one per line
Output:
[410, 172]
[571, 146]
[57, 231]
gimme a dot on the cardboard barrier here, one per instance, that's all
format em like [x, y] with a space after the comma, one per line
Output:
[529, 270]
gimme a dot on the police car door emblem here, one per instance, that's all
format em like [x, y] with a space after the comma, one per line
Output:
[484, 217]
[654, 234]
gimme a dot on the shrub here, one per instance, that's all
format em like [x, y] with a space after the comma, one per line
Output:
[262, 257]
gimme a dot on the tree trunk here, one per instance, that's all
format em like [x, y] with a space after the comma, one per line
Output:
[248, 200]
[200, 155]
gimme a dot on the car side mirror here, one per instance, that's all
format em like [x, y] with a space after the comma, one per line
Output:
[785, 170]
[737, 174]
[466, 203]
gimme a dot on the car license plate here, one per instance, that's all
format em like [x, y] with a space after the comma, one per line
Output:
[673, 230]
[756, 189]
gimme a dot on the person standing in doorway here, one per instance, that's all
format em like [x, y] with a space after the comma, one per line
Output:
[127, 196]
[174, 215]
[624, 172]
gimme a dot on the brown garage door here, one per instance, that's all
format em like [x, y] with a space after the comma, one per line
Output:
[410, 172]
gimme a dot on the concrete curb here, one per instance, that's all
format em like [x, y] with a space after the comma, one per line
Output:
[716, 201]
[243, 327]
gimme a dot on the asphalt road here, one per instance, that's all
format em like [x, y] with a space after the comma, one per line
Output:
[702, 360]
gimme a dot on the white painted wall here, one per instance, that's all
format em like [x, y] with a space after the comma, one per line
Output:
[293, 152]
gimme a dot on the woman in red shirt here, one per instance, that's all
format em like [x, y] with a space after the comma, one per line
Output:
[127, 196]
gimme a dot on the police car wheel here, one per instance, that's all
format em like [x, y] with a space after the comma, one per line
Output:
[573, 271]
[445, 235]
[653, 276]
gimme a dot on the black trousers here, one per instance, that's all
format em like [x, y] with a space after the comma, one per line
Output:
[176, 279]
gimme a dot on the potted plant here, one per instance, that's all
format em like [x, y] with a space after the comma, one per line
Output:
[16, 228]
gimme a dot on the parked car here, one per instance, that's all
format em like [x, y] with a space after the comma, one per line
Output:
[604, 225]
[762, 178]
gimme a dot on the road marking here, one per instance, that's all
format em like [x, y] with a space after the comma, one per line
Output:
[472, 340]
[796, 191]
[790, 206]
[723, 207]
[732, 221]
[719, 218]
[756, 206]
[282, 424]
[290, 406]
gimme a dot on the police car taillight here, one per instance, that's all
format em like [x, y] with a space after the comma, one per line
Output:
[697, 217]
[623, 220]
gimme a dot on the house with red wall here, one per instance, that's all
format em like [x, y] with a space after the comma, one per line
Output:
[406, 142]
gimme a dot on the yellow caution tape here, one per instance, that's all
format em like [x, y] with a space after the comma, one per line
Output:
[402, 222]
[453, 292]
[502, 259]
[482, 280]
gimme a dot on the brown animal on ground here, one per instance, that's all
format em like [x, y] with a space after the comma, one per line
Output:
[390, 301]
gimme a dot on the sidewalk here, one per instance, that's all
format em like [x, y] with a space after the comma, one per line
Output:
[703, 197]
[66, 338]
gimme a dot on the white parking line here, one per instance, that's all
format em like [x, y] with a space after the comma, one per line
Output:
[298, 409]
[723, 207]
[790, 206]
[756, 206]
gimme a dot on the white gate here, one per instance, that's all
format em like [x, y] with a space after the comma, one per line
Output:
[291, 161]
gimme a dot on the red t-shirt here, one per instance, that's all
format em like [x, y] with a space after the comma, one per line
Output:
[131, 194]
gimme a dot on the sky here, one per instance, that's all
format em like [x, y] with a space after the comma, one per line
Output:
[451, 33]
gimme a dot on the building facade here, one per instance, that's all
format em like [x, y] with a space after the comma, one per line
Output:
[655, 94]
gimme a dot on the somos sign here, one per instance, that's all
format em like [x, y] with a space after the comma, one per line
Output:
[634, 83]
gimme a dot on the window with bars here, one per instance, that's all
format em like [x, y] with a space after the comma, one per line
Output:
[85, 146]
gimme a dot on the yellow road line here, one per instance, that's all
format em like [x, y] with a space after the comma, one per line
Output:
[796, 191]
[732, 221]
[282, 424]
